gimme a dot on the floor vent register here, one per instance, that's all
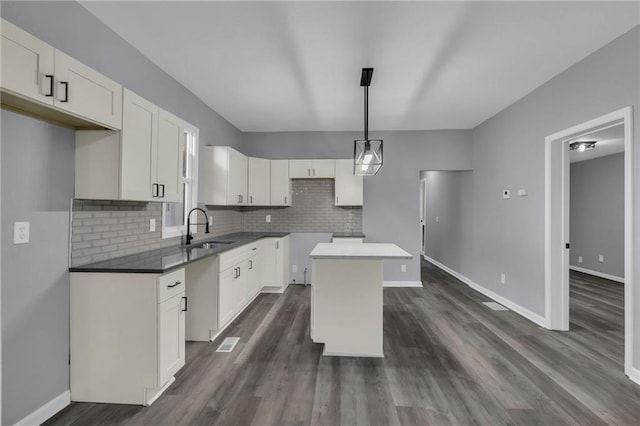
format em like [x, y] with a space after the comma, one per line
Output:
[495, 306]
[228, 344]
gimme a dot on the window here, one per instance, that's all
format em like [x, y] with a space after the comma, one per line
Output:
[174, 215]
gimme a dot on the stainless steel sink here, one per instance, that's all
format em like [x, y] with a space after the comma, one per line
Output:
[212, 244]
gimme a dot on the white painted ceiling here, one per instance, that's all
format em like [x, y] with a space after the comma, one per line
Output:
[282, 66]
[608, 141]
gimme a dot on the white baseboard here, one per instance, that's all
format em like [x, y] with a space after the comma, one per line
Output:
[531, 316]
[402, 284]
[597, 274]
[47, 411]
[635, 375]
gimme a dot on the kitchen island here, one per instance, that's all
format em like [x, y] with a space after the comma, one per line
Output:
[346, 297]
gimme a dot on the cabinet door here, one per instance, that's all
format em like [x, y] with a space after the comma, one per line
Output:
[139, 133]
[240, 290]
[280, 183]
[348, 186]
[171, 337]
[27, 64]
[166, 164]
[87, 93]
[226, 308]
[323, 169]
[237, 179]
[253, 275]
[268, 271]
[259, 182]
[299, 169]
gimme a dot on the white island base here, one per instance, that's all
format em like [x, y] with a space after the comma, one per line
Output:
[346, 297]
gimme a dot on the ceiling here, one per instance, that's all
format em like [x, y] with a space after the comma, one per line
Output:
[609, 141]
[284, 66]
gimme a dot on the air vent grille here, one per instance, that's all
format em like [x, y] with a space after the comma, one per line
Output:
[228, 344]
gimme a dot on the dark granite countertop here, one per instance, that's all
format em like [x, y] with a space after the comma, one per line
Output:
[348, 235]
[166, 259]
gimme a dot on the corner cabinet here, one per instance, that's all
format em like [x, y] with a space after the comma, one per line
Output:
[143, 162]
[225, 176]
[349, 187]
[312, 169]
[127, 335]
[33, 71]
[280, 183]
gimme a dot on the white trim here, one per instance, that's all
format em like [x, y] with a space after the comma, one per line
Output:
[150, 399]
[531, 316]
[597, 274]
[556, 257]
[634, 375]
[402, 284]
[47, 411]
[324, 353]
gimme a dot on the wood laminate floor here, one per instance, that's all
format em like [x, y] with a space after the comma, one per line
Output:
[449, 360]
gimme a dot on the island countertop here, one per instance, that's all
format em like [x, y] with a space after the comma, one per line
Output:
[359, 251]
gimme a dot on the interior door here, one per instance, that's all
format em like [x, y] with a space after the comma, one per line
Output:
[423, 214]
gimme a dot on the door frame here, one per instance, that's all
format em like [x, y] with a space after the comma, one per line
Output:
[423, 216]
[557, 224]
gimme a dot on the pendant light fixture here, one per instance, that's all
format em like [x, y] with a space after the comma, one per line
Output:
[367, 154]
[582, 146]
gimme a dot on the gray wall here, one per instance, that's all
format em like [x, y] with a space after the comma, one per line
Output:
[391, 204]
[597, 214]
[34, 309]
[448, 197]
[37, 186]
[508, 152]
[301, 244]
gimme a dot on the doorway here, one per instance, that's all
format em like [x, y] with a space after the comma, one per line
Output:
[557, 243]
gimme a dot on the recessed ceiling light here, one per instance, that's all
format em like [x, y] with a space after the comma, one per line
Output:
[582, 146]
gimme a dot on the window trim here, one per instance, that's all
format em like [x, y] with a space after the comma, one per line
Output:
[180, 230]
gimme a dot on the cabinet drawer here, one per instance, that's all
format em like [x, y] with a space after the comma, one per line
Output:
[231, 258]
[170, 285]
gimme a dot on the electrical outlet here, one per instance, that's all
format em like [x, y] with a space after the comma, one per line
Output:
[210, 220]
[579, 259]
[506, 194]
[403, 268]
[437, 219]
[152, 225]
[294, 268]
[600, 258]
[268, 218]
[20, 232]
[503, 278]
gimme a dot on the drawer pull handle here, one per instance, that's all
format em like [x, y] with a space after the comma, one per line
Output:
[185, 304]
[175, 284]
[251, 264]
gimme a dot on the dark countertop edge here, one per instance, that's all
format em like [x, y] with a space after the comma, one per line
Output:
[247, 238]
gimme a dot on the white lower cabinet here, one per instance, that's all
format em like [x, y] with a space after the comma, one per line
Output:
[226, 307]
[275, 267]
[127, 335]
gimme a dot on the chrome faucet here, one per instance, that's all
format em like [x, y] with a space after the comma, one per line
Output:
[189, 237]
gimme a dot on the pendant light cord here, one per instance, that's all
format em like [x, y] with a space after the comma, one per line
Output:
[366, 113]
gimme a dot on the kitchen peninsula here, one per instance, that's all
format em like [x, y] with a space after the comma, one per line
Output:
[346, 297]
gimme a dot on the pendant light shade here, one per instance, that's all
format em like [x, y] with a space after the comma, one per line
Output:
[367, 154]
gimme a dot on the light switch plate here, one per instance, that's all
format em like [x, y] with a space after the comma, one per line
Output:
[503, 279]
[294, 268]
[600, 258]
[403, 268]
[20, 232]
[152, 225]
[579, 259]
[268, 218]
[210, 220]
[522, 192]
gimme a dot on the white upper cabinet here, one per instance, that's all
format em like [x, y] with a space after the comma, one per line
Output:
[225, 176]
[168, 168]
[349, 188]
[280, 183]
[87, 93]
[310, 169]
[27, 64]
[259, 182]
[33, 70]
[138, 138]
